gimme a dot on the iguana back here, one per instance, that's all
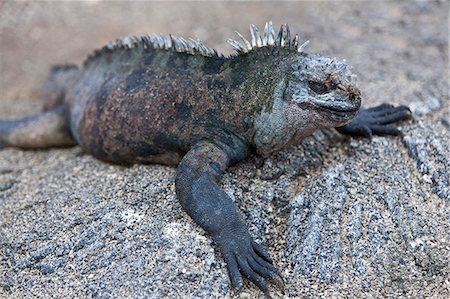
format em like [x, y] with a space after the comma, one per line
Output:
[137, 103]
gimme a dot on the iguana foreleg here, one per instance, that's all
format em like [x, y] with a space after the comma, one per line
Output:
[40, 130]
[198, 192]
[377, 120]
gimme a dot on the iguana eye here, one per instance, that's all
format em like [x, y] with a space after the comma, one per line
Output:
[318, 87]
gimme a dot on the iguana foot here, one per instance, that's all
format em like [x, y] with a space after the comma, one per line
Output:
[246, 257]
[378, 120]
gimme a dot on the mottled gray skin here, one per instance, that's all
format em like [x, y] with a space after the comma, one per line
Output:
[146, 105]
[154, 105]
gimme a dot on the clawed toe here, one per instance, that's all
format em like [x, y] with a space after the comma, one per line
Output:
[378, 120]
[386, 130]
[253, 275]
[381, 107]
[253, 262]
[388, 110]
[267, 270]
[235, 274]
[261, 251]
[395, 116]
[383, 120]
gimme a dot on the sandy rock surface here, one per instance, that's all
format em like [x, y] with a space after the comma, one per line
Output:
[341, 217]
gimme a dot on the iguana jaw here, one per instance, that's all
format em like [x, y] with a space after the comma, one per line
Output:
[339, 110]
[335, 109]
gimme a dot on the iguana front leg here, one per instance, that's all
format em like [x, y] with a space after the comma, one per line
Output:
[199, 194]
[377, 121]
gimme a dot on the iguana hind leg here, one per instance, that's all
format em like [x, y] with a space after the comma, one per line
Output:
[40, 130]
[59, 78]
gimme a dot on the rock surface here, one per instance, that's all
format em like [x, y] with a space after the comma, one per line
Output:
[341, 217]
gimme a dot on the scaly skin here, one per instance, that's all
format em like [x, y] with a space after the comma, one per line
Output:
[163, 102]
[159, 100]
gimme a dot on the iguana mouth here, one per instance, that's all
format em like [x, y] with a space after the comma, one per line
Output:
[340, 115]
[341, 110]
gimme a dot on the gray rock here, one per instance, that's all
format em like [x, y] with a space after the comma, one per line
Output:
[428, 144]
[371, 220]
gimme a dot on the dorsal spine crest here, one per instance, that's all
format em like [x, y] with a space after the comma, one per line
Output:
[196, 46]
[159, 42]
[283, 39]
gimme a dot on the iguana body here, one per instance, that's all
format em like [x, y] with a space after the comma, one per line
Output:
[165, 100]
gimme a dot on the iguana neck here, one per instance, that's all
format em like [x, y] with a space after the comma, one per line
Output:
[258, 73]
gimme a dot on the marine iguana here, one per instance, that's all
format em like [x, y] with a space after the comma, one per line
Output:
[168, 100]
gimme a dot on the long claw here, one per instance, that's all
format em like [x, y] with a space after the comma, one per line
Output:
[260, 269]
[267, 271]
[235, 274]
[398, 115]
[389, 110]
[262, 252]
[254, 277]
[266, 264]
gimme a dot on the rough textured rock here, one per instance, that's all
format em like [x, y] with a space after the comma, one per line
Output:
[341, 217]
[371, 223]
[428, 146]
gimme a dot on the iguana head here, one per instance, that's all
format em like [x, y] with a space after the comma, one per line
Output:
[313, 91]
[324, 87]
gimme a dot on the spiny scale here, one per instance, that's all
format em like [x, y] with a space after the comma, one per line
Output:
[196, 46]
[283, 40]
[162, 42]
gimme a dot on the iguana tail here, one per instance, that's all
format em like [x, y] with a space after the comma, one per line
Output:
[41, 130]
